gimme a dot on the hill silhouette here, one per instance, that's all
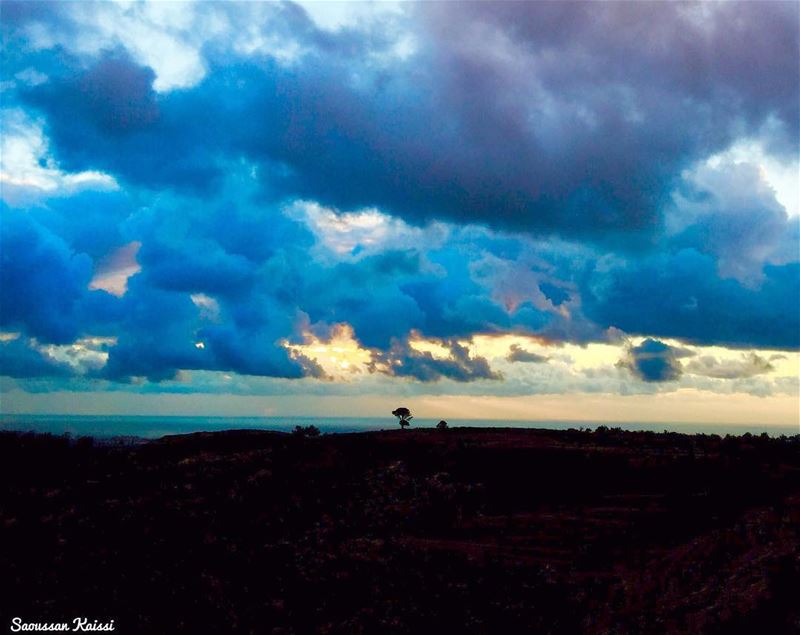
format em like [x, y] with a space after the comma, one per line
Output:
[412, 531]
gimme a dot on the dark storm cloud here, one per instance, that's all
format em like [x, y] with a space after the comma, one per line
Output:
[701, 50]
[587, 113]
[681, 295]
[43, 281]
[89, 222]
[654, 361]
[196, 268]
[163, 331]
[107, 117]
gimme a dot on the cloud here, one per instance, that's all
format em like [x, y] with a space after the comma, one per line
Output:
[113, 270]
[43, 282]
[519, 354]
[556, 295]
[157, 35]
[749, 365]
[402, 360]
[654, 361]
[28, 174]
[19, 359]
[729, 211]
[208, 186]
[584, 136]
[109, 116]
[351, 236]
[681, 295]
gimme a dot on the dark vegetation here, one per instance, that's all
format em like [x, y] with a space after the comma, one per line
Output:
[306, 431]
[472, 531]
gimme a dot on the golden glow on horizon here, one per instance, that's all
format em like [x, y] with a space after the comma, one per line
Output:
[342, 357]
[595, 355]
[668, 402]
[576, 383]
[686, 405]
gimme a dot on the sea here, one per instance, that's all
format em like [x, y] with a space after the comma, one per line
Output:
[151, 427]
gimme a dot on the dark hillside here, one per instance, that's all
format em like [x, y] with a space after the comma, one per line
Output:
[456, 531]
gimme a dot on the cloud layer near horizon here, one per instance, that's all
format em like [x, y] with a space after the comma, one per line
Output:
[211, 188]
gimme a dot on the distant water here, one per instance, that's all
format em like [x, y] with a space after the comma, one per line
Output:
[158, 426]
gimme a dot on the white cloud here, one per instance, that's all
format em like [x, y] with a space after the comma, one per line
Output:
[735, 206]
[31, 77]
[166, 36]
[353, 235]
[27, 171]
[209, 307]
[333, 15]
[782, 176]
[83, 355]
[170, 37]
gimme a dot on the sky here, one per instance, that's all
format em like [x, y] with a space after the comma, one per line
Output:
[542, 211]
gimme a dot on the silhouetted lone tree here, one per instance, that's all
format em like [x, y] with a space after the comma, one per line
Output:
[404, 415]
[442, 425]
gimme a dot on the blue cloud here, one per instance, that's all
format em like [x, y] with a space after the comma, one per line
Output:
[43, 282]
[89, 222]
[681, 295]
[555, 294]
[654, 361]
[18, 359]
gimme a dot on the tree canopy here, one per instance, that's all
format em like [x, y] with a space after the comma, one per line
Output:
[403, 415]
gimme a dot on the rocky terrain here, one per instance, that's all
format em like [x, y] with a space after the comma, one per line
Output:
[414, 531]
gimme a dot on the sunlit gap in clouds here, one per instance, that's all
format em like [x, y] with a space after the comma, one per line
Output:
[112, 272]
